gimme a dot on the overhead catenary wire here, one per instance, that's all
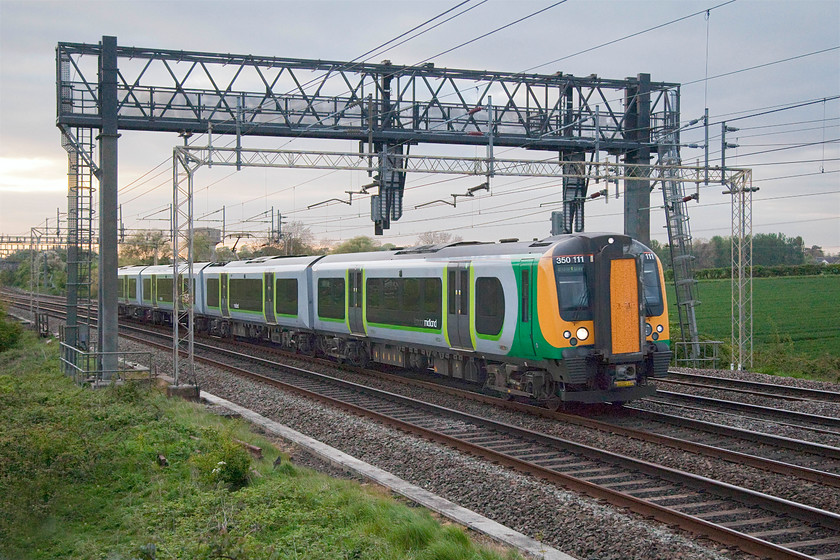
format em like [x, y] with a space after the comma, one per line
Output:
[291, 187]
[649, 29]
[636, 34]
[764, 65]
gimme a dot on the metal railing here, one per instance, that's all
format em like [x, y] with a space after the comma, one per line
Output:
[86, 366]
[704, 354]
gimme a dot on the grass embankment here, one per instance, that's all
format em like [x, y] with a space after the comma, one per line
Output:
[80, 478]
[796, 323]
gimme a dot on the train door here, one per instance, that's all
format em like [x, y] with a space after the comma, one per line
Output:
[625, 318]
[223, 295]
[154, 290]
[527, 303]
[355, 301]
[458, 305]
[268, 304]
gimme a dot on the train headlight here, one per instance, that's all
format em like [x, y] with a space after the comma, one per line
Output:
[567, 334]
[659, 328]
[655, 336]
[582, 333]
[648, 329]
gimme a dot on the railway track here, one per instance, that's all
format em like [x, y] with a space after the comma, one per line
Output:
[800, 420]
[788, 456]
[736, 444]
[753, 388]
[746, 519]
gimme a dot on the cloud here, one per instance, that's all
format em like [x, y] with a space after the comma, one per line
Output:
[33, 175]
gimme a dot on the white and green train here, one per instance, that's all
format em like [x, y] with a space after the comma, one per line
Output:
[578, 317]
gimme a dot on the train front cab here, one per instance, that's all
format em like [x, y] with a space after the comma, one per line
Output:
[602, 317]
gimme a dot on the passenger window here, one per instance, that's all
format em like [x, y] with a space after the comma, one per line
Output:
[526, 297]
[212, 292]
[331, 298]
[286, 296]
[245, 294]
[489, 306]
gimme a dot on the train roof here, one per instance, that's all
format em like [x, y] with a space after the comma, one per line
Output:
[267, 263]
[584, 242]
[464, 249]
[157, 269]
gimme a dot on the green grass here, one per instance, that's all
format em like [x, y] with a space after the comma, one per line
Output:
[796, 323]
[79, 478]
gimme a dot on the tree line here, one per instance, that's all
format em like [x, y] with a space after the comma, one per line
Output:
[774, 254]
[768, 250]
[154, 247]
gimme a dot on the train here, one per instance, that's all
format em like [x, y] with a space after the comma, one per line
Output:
[577, 318]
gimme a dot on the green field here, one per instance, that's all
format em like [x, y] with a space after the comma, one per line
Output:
[795, 316]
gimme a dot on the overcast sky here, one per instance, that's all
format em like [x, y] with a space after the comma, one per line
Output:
[799, 185]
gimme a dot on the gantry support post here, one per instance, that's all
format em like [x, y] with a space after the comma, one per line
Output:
[183, 277]
[742, 191]
[637, 191]
[108, 330]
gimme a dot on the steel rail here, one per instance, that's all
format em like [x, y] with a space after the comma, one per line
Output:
[751, 387]
[749, 435]
[825, 421]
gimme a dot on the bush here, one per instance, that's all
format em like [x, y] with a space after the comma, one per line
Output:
[759, 271]
[222, 460]
[10, 333]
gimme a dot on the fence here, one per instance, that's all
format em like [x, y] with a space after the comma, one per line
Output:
[705, 354]
[86, 366]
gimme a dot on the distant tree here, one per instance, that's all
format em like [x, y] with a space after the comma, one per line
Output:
[51, 270]
[224, 254]
[662, 251]
[203, 249]
[437, 238]
[771, 249]
[703, 253]
[244, 252]
[721, 251]
[814, 254]
[359, 244]
[270, 250]
[146, 247]
[298, 239]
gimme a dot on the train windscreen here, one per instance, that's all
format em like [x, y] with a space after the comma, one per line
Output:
[572, 291]
[653, 291]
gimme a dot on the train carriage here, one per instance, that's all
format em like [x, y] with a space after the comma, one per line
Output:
[259, 298]
[148, 291]
[129, 286]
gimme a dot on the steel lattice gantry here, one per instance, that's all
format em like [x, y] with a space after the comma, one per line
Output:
[389, 107]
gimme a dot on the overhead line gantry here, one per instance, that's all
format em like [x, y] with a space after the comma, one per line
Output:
[387, 108]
